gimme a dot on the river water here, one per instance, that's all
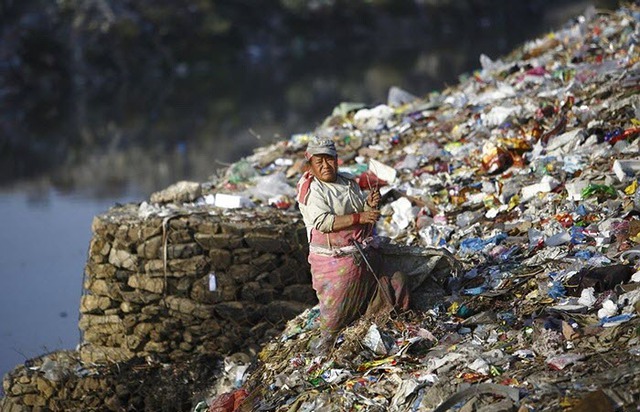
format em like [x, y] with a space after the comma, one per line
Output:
[70, 159]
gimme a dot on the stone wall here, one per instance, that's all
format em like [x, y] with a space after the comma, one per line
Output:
[183, 285]
[190, 281]
[59, 381]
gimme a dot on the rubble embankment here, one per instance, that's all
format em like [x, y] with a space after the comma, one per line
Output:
[526, 171]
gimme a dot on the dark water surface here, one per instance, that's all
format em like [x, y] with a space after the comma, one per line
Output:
[44, 238]
[64, 160]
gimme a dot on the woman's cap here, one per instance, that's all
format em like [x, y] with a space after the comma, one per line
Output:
[317, 146]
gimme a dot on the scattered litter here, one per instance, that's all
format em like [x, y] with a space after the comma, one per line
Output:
[526, 173]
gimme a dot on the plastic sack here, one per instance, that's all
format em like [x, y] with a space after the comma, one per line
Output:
[271, 186]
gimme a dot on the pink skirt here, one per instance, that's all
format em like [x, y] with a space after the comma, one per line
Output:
[344, 288]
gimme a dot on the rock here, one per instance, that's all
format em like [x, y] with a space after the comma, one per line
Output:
[102, 287]
[257, 292]
[140, 297]
[7, 404]
[189, 307]
[260, 328]
[129, 307]
[178, 224]
[168, 309]
[156, 347]
[122, 275]
[300, 293]
[275, 243]
[153, 285]
[280, 311]
[181, 286]
[290, 272]
[240, 312]
[123, 259]
[99, 249]
[96, 320]
[94, 304]
[113, 403]
[200, 292]
[206, 226]
[170, 325]
[31, 399]
[181, 192]
[100, 271]
[242, 273]
[207, 328]
[220, 258]
[128, 235]
[183, 251]
[237, 227]
[102, 227]
[122, 391]
[23, 388]
[203, 311]
[151, 228]
[151, 248]
[102, 355]
[265, 262]
[153, 310]
[219, 241]
[91, 401]
[6, 383]
[187, 336]
[195, 265]
[178, 267]
[180, 236]
[222, 344]
[229, 293]
[180, 304]
[103, 330]
[242, 256]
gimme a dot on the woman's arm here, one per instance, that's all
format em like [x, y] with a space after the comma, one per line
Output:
[320, 215]
[346, 221]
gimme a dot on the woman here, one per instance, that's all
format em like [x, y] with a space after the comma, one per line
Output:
[336, 214]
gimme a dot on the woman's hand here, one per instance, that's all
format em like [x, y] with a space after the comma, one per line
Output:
[373, 199]
[362, 218]
[370, 216]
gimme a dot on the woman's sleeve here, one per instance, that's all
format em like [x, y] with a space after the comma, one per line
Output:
[361, 195]
[317, 213]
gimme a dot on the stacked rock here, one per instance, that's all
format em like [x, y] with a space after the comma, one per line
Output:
[190, 282]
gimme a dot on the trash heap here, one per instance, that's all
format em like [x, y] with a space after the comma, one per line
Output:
[527, 171]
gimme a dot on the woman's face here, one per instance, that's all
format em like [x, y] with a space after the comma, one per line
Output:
[324, 167]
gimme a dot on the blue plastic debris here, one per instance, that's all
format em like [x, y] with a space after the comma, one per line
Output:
[612, 321]
[556, 290]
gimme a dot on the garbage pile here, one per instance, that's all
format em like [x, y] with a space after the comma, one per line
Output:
[528, 172]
